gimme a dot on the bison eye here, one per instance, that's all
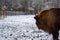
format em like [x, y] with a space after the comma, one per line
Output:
[35, 17]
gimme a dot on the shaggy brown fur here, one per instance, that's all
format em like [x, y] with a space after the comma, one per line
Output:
[49, 21]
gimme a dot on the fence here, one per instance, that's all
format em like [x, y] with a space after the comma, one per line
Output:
[15, 13]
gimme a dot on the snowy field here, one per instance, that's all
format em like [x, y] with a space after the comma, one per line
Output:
[21, 27]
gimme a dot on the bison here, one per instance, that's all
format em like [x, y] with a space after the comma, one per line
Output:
[49, 21]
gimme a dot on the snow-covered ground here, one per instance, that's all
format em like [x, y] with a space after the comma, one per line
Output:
[21, 27]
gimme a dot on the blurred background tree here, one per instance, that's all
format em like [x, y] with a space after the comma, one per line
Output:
[29, 6]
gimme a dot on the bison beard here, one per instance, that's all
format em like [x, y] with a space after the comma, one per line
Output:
[49, 21]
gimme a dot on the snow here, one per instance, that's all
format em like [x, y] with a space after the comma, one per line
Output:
[21, 27]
